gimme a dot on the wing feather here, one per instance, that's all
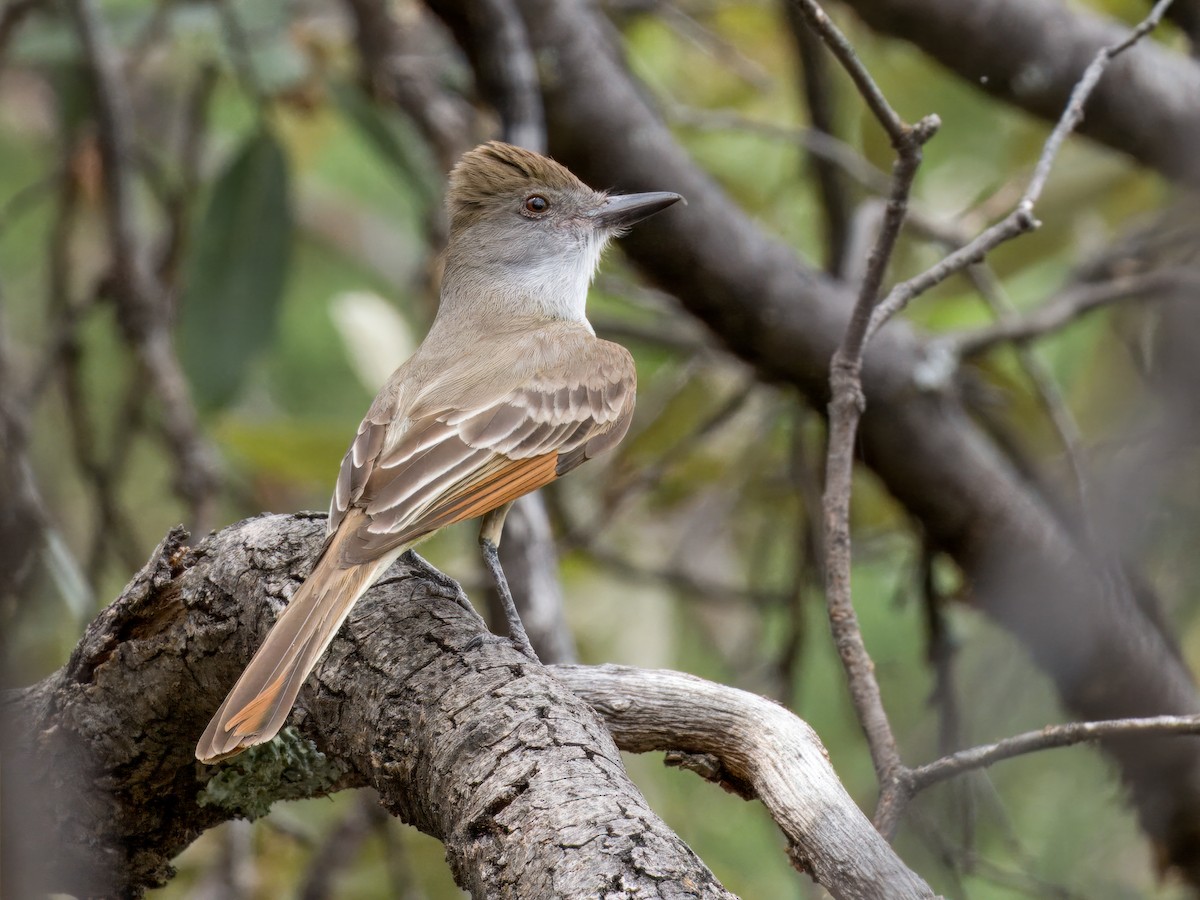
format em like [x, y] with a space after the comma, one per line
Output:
[445, 465]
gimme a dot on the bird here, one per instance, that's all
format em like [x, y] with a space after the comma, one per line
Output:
[509, 390]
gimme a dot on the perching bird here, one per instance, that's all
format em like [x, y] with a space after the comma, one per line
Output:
[510, 389]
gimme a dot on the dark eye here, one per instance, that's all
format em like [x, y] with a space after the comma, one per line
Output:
[536, 203]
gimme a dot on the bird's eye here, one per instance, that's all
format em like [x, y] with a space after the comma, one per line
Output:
[536, 203]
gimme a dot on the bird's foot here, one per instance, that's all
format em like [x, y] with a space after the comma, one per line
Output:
[452, 588]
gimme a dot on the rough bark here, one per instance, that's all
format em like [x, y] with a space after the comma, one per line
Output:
[1025, 567]
[455, 730]
[753, 747]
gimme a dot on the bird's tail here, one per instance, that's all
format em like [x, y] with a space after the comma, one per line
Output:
[259, 703]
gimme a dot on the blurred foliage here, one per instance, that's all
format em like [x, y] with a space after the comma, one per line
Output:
[236, 270]
[309, 190]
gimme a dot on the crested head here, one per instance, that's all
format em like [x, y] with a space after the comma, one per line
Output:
[526, 235]
[495, 172]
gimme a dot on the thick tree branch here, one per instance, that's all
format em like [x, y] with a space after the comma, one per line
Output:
[1025, 568]
[761, 750]
[456, 731]
[1032, 54]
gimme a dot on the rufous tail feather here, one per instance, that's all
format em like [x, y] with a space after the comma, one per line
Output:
[259, 703]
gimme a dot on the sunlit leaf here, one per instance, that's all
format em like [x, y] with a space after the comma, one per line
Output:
[236, 271]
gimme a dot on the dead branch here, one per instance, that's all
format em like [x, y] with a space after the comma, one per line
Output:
[761, 750]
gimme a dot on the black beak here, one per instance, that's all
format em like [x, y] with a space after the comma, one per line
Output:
[625, 209]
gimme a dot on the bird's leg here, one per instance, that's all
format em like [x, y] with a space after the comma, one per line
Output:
[489, 543]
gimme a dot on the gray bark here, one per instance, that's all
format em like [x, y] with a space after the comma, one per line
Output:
[756, 748]
[1027, 568]
[454, 729]
[458, 733]
[1031, 53]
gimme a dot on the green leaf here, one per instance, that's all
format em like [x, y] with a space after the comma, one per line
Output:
[236, 271]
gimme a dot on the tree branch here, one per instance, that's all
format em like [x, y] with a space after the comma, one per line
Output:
[1032, 54]
[846, 406]
[453, 728]
[762, 751]
[1067, 307]
[1047, 738]
[460, 736]
[1025, 568]
[145, 314]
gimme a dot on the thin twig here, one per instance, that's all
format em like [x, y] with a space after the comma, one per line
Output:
[1073, 114]
[819, 97]
[12, 16]
[683, 579]
[1021, 219]
[149, 36]
[176, 200]
[947, 351]
[717, 46]
[63, 362]
[120, 531]
[1046, 388]
[964, 860]
[1047, 738]
[896, 128]
[845, 409]
[1067, 307]
[825, 146]
[943, 355]
[24, 519]
[806, 575]
[142, 302]
[650, 475]
[847, 402]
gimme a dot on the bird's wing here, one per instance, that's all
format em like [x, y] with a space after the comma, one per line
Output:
[451, 460]
[461, 461]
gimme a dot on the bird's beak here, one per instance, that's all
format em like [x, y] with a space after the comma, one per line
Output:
[625, 209]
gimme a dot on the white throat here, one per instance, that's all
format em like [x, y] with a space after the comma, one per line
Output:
[551, 286]
[558, 286]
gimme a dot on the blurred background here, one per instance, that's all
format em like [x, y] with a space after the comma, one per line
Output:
[287, 215]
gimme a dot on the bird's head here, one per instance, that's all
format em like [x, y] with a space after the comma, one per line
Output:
[530, 230]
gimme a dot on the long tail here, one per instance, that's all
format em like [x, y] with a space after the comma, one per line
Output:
[259, 703]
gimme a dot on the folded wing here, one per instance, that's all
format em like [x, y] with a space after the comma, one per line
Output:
[454, 464]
